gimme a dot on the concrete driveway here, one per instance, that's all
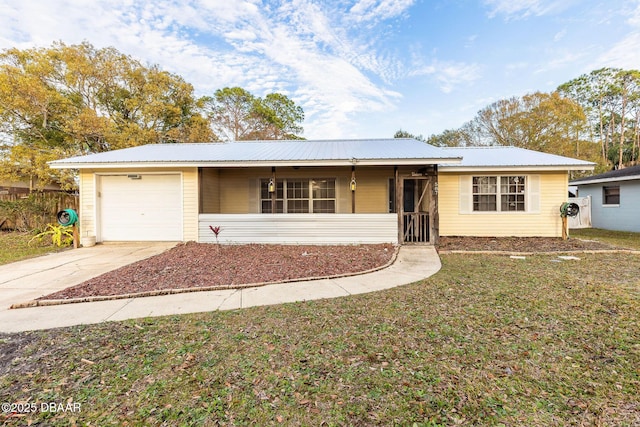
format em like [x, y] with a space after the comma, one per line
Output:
[35, 277]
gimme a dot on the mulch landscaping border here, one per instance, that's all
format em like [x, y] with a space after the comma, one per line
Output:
[44, 303]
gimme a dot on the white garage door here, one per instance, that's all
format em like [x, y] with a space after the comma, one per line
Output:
[140, 207]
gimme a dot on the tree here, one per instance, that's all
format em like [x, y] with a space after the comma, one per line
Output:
[279, 117]
[231, 112]
[404, 134]
[450, 138]
[611, 99]
[238, 115]
[71, 100]
[539, 121]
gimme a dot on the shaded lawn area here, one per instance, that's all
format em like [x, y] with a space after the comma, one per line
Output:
[489, 340]
[15, 246]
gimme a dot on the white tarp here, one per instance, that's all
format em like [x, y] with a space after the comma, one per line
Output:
[583, 219]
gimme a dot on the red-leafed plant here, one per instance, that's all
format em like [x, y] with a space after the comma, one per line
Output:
[216, 230]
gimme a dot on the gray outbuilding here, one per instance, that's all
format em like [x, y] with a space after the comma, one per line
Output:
[615, 198]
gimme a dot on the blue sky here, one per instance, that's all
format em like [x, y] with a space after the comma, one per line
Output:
[359, 68]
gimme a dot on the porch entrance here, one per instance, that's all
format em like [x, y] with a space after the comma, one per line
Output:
[418, 209]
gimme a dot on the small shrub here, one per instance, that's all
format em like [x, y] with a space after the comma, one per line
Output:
[60, 235]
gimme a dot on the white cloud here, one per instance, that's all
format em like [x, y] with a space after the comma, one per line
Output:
[562, 59]
[301, 48]
[520, 9]
[633, 13]
[624, 54]
[560, 35]
[376, 10]
[449, 75]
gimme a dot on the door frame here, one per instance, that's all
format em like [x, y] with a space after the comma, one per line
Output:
[98, 182]
[429, 174]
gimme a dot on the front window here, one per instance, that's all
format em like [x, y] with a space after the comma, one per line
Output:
[299, 196]
[485, 193]
[324, 195]
[611, 195]
[511, 193]
[265, 196]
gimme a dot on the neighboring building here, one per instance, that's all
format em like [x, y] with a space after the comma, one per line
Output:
[22, 188]
[342, 191]
[615, 198]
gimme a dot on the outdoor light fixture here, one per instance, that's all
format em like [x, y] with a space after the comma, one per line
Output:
[272, 186]
[352, 185]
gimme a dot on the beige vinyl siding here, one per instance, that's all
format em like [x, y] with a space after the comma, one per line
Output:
[190, 203]
[210, 190]
[234, 189]
[372, 189]
[239, 188]
[87, 211]
[542, 217]
[189, 190]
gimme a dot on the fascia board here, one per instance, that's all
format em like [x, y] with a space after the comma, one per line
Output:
[265, 163]
[457, 169]
[605, 180]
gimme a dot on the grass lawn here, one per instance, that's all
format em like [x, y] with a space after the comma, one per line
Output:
[624, 239]
[488, 340]
[14, 246]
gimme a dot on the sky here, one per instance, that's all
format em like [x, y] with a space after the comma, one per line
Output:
[358, 68]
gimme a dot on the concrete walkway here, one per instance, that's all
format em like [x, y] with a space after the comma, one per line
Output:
[26, 280]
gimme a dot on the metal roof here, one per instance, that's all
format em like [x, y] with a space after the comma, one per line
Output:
[626, 174]
[498, 157]
[395, 151]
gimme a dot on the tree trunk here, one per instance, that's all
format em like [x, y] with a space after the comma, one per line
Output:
[622, 120]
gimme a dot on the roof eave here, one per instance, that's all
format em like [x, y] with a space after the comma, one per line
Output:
[453, 169]
[262, 163]
[605, 180]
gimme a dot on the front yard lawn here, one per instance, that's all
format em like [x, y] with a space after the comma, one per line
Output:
[489, 340]
[15, 246]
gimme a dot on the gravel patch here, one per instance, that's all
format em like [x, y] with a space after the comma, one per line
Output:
[201, 265]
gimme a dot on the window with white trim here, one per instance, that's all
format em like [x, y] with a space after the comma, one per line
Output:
[484, 193]
[299, 195]
[509, 196]
[611, 195]
[512, 193]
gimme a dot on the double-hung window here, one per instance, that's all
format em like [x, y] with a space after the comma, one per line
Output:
[611, 195]
[485, 191]
[512, 193]
[299, 196]
[499, 193]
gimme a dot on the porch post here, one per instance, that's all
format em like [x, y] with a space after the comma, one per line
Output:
[399, 206]
[353, 190]
[274, 193]
[433, 209]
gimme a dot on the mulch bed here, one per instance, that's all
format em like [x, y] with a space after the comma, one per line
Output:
[519, 244]
[202, 265]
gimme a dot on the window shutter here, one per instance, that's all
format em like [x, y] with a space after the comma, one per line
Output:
[533, 193]
[466, 194]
